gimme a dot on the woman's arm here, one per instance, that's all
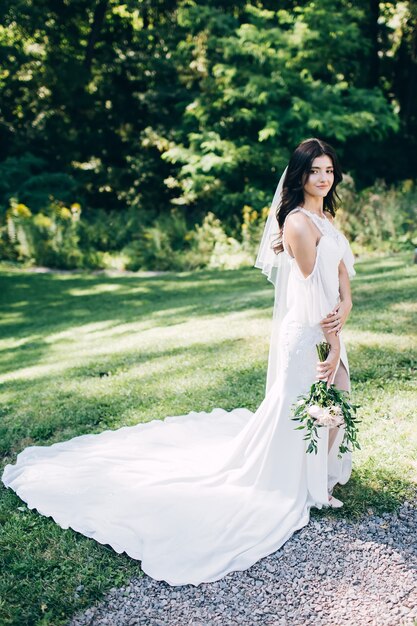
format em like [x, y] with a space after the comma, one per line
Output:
[344, 285]
[300, 239]
[303, 246]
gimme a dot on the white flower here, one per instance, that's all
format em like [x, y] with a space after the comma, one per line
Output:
[337, 413]
[314, 411]
[335, 409]
[326, 416]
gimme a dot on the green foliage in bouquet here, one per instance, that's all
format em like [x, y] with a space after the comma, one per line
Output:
[326, 406]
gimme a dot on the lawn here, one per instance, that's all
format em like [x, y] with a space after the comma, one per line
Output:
[81, 353]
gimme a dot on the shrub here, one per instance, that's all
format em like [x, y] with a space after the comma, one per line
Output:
[253, 223]
[27, 178]
[159, 246]
[379, 218]
[46, 238]
[211, 247]
[169, 245]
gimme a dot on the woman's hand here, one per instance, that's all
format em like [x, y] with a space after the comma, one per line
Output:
[326, 370]
[335, 320]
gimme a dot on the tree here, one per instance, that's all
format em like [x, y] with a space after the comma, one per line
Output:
[266, 81]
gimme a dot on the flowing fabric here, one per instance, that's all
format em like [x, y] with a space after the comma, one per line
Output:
[196, 496]
[272, 265]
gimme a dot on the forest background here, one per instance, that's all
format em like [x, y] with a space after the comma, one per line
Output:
[151, 134]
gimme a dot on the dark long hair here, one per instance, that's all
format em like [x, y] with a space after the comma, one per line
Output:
[297, 174]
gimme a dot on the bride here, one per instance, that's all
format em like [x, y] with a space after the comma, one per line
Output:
[196, 496]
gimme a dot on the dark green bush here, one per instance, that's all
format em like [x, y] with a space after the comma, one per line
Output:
[27, 180]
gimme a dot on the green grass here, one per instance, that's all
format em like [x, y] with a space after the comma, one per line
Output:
[82, 353]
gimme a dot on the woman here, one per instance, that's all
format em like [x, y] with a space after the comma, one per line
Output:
[196, 496]
[305, 205]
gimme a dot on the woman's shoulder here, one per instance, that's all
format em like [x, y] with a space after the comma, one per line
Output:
[298, 227]
[296, 220]
[329, 216]
[295, 215]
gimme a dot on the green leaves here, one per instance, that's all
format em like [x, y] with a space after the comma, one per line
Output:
[199, 105]
[266, 84]
[322, 396]
[323, 349]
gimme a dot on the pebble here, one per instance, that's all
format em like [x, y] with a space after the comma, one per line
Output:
[332, 572]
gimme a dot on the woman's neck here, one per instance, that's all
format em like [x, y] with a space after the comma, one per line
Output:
[314, 205]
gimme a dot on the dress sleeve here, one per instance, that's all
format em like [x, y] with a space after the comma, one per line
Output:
[349, 260]
[311, 298]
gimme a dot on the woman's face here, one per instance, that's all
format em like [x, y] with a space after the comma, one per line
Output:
[321, 177]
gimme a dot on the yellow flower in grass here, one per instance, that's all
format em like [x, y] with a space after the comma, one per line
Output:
[76, 211]
[250, 215]
[265, 212]
[42, 221]
[64, 213]
[21, 210]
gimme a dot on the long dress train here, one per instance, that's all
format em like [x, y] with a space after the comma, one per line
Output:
[196, 496]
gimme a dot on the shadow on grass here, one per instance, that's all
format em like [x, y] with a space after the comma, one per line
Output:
[55, 303]
[51, 303]
[384, 264]
[32, 352]
[41, 304]
[381, 364]
[114, 398]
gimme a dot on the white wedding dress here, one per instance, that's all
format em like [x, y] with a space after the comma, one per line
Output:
[196, 496]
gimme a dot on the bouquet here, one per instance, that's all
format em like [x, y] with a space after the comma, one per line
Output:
[326, 406]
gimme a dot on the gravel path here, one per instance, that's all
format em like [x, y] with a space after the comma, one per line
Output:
[330, 573]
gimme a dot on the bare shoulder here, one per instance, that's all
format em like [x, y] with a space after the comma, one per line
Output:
[329, 216]
[298, 231]
[297, 223]
[300, 240]
[298, 228]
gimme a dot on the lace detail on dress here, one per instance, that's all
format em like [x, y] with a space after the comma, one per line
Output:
[324, 225]
[297, 340]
